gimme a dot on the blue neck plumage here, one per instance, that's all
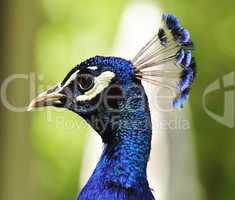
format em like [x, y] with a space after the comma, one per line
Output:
[124, 163]
[124, 160]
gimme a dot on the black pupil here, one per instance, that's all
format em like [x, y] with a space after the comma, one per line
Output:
[85, 82]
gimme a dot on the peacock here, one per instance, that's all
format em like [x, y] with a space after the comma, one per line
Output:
[107, 92]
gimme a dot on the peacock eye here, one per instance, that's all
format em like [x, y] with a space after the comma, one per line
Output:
[85, 82]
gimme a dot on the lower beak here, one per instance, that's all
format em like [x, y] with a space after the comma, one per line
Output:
[48, 98]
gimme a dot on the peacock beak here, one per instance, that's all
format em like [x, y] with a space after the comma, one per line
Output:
[51, 97]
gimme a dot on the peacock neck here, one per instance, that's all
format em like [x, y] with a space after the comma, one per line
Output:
[124, 159]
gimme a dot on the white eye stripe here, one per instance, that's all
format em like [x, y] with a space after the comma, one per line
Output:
[71, 78]
[93, 68]
[100, 83]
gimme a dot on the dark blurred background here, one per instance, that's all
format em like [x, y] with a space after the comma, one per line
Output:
[41, 160]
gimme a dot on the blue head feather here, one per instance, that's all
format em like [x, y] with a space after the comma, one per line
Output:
[187, 59]
[123, 69]
[179, 102]
[181, 35]
[180, 56]
[183, 57]
[171, 21]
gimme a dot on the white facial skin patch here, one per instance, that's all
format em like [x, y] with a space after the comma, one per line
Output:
[100, 83]
[71, 78]
[93, 68]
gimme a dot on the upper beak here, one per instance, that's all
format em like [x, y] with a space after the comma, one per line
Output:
[47, 98]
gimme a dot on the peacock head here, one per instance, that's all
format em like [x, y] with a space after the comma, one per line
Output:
[95, 89]
[98, 88]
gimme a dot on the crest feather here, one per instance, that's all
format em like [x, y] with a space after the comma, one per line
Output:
[166, 60]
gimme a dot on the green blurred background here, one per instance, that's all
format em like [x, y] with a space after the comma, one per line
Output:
[41, 159]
